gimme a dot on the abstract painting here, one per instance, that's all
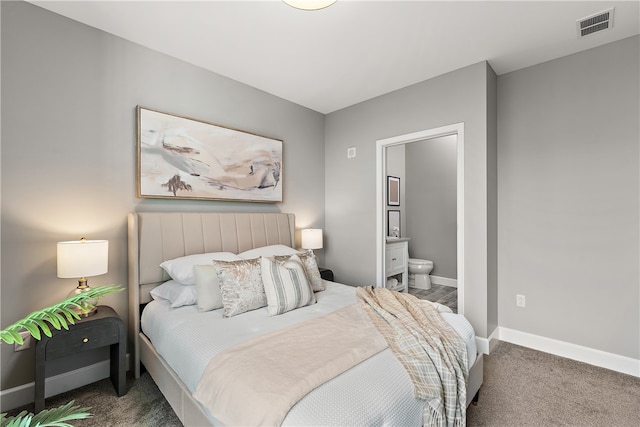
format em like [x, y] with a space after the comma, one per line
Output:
[183, 158]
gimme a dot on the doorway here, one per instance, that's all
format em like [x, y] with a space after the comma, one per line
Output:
[381, 216]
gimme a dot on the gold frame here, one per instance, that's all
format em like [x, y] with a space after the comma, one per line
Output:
[198, 160]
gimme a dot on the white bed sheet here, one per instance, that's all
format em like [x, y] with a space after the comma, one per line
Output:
[376, 392]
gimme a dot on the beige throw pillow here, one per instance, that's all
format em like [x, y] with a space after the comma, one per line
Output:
[240, 286]
[310, 264]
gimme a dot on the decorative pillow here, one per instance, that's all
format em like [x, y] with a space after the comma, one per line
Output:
[181, 269]
[286, 285]
[270, 250]
[240, 286]
[310, 264]
[177, 294]
[207, 287]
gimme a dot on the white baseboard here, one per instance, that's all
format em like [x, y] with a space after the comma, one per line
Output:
[444, 281]
[482, 345]
[615, 362]
[23, 395]
[486, 345]
[437, 280]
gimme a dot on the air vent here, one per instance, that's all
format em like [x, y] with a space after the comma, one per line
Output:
[594, 23]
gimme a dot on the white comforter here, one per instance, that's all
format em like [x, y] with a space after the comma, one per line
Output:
[376, 392]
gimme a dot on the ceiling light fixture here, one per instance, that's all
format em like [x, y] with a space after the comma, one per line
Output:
[309, 4]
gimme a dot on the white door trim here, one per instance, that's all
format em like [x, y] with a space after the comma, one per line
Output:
[381, 145]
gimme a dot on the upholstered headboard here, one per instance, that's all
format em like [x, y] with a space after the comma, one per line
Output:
[158, 236]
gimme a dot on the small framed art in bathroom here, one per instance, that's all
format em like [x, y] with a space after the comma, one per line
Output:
[393, 191]
[393, 223]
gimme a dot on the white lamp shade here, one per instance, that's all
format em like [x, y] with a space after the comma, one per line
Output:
[83, 258]
[311, 238]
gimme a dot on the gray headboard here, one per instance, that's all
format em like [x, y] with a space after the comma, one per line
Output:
[158, 236]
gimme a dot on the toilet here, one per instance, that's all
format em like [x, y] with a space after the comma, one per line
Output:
[419, 270]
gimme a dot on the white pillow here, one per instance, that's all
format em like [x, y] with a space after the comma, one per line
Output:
[286, 285]
[177, 294]
[207, 287]
[181, 269]
[270, 250]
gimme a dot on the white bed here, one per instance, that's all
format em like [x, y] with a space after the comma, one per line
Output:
[175, 351]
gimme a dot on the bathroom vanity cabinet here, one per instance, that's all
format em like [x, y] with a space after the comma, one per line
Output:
[397, 264]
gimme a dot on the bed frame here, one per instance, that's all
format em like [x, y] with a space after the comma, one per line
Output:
[158, 236]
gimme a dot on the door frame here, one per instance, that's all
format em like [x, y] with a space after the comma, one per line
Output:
[381, 220]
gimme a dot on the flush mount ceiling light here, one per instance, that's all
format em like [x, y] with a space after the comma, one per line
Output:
[309, 4]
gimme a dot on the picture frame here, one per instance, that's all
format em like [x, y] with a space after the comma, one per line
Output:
[393, 223]
[393, 191]
[183, 158]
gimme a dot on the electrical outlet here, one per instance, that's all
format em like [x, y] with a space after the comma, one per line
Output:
[26, 338]
[521, 301]
[351, 152]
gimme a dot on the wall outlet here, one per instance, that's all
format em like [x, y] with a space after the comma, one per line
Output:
[351, 152]
[26, 338]
[521, 301]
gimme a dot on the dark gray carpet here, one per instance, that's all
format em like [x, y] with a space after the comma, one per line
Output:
[522, 387]
[142, 406]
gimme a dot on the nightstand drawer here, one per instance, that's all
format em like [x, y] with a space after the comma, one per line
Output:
[82, 339]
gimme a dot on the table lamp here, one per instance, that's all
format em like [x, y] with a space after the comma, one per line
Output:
[311, 239]
[81, 259]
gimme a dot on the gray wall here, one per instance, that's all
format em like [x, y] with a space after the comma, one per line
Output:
[68, 151]
[459, 96]
[492, 199]
[396, 167]
[569, 190]
[431, 203]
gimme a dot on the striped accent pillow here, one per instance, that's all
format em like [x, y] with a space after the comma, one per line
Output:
[285, 284]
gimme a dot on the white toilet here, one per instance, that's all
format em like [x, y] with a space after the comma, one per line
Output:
[419, 270]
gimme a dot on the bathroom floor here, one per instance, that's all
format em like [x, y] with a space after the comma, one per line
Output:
[445, 295]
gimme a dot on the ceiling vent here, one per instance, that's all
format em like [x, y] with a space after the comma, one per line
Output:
[594, 23]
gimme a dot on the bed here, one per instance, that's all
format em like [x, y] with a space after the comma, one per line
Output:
[375, 392]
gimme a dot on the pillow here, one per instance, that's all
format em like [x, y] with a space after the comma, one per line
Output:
[310, 264]
[270, 250]
[240, 286]
[181, 269]
[207, 287]
[286, 285]
[177, 294]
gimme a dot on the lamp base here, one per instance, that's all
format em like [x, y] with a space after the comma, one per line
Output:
[86, 313]
[83, 287]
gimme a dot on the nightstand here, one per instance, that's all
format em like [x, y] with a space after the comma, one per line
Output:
[326, 274]
[102, 329]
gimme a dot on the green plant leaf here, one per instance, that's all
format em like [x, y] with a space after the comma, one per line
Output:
[61, 320]
[33, 330]
[56, 417]
[44, 327]
[6, 337]
[36, 321]
[17, 337]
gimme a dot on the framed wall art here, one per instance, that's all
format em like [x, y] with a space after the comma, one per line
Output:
[183, 158]
[393, 223]
[393, 191]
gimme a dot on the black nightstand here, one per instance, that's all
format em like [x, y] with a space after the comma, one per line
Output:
[326, 274]
[102, 329]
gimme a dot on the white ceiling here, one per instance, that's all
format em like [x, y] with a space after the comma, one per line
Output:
[354, 50]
